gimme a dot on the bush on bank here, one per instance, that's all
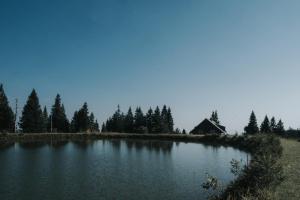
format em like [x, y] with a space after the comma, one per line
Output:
[259, 179]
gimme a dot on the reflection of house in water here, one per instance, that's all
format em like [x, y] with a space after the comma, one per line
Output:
[208, 127]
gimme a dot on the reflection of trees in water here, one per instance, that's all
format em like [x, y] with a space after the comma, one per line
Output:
[83, 144]
[6, 145]
[150, 145]
[57, 144]
[32, 145]
[116, 144]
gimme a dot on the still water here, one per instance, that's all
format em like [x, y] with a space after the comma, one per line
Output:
[111, 169]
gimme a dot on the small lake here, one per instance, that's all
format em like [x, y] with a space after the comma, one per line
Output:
[112, 169]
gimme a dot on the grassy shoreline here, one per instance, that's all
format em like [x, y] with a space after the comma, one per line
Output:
[290, 187]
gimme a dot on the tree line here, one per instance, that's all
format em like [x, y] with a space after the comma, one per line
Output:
[154, 121]
[267, 126]
[34, 119]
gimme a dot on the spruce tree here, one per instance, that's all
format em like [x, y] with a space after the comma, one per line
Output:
[184, 132]
[103, 129]
[214, 117]
[7, 118]
[265, 126]
[273, 125]
[32, 117]
[177, 131]
[93, 123]
[75, 123]
[83, 118]
[164, 120]
[149, 120]
[45, 120]
[139, 121]
[157, 122]
[129, 121]
[96, 126]
[60, 122]
[252, 127]
[170, 121]
[280, 127]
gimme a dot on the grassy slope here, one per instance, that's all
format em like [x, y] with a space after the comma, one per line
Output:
[290, 188]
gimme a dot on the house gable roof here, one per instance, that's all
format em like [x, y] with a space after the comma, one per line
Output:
[216, 126]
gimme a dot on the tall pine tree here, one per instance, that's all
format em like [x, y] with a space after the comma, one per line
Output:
[32, 117]
[164, 120]
[103, 128]
[60, 122]
[157, 122]
[279, 127]
[83, 118]
[75, 123]
[252, 127]
[149, 120]
[139, 121]
[45, 120]
[170, 121]
[7, 118]
[265, 126]
[129, 122]
[214, 117]
[273, 125]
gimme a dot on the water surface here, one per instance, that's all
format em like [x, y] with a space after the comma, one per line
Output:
[111, 169]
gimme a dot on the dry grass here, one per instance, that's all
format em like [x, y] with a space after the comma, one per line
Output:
[290, 187]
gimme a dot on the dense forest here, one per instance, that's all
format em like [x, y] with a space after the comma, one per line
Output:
[157, 121]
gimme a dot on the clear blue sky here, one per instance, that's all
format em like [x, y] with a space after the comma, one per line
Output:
[195, 56]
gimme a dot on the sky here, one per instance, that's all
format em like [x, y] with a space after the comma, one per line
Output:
[194, 56]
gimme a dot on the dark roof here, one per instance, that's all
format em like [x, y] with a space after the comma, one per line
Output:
[204, 125]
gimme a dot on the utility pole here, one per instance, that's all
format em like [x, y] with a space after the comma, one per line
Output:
[16, 116]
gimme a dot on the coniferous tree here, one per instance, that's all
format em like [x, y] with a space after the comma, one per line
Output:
[265, 126]
[93, 124]
[279, 127]
[103, 129]
[59, 119]
[170, 121]
[157, 122]
[149, 120]
[32, 117]
[184, 132]
[139, 121]
[7, 118]
[129, 122]
[273, 124]
[45, 120]
[83, 118]
[109, 124]
[75, 123]
[252, 127]
[177, 131]
[214, 117]
[164, 120]
[96, 126]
